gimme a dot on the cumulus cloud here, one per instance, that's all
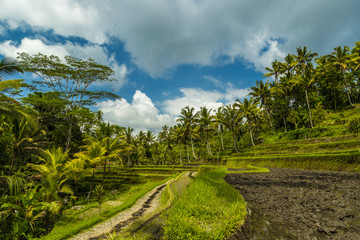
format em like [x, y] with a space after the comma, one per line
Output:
[98, 53]
[140, 114]
[196, 98]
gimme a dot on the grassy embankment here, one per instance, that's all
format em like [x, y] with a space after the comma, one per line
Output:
[209, 209]
[134, 186]
[329, 146]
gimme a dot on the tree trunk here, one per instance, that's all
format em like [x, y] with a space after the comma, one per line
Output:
[234, 141]
[284, 123]
[68, 139]
[251, 135]
[308, 105]
[180, 154]
[103, 179]
[187, 150]
[192, 148]
[91, 185]
[347, 89]
[222, 141]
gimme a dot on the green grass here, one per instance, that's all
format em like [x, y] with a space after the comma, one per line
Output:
[209, 209]
[73, 223]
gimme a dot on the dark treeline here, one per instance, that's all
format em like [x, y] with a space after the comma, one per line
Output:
[50, 139]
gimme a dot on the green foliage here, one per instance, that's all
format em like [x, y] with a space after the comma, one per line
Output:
[354, 127]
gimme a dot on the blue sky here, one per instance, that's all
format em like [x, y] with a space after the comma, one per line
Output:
[171, 53]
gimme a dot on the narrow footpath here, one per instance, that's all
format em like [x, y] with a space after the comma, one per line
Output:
[144, 206]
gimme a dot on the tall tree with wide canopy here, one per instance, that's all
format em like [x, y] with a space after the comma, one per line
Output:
[72, 78]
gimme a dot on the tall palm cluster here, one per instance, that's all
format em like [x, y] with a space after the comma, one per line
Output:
[49, 142]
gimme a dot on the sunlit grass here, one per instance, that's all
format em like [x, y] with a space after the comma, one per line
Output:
[210, 209]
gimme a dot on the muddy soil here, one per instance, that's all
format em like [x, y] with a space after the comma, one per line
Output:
[300, 204]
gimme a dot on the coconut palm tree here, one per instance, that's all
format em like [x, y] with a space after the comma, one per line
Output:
[261, 92]
[341, 59]
[305, 82]
[248, 109]
[276, 70]
[93, 155]
[230, 119]
[204, 120]
[220, 126]
[188, 120]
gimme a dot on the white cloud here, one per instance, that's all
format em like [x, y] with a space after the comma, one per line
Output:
[140, 114]
[197, 98]
[98, 53]
[65, 17]
[161, 35]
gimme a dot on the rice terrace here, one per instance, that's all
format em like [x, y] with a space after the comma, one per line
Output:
[244, 131]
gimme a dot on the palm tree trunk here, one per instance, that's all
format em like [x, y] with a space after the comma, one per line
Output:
[235, 147]
[251, 135]
[222, 141]
[187, 150]
[180, 154]
[347, 89]
[308, 105]
[192, 148]
[91, 185]
[284, 123]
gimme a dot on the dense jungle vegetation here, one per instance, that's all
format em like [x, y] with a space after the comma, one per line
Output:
[50, 140]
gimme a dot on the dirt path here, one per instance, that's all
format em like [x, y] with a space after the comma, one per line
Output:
[301, 204]
[143, 206]
[152, 228]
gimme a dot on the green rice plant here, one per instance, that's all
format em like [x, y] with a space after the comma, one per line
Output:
[210, 209]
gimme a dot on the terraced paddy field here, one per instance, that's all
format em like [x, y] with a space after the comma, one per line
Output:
[123, 187]
[299, 204]
[312, 190]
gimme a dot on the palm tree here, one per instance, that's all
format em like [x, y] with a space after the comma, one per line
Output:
[93, 155]
[262, 93]
[204, 120]
[165, 137]
[230, 119]
[53, 173]
[249, 110]
[341, 60]
[106, 134]
[8, 66]
[179, 138]
[188, 120]
[220, 126]
[276, 70]
[303, 58]
[305, 82]
[129, 139]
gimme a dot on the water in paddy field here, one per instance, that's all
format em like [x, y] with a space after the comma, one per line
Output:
[264, 227]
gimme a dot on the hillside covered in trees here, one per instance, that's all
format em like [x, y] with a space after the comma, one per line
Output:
[51, 140]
